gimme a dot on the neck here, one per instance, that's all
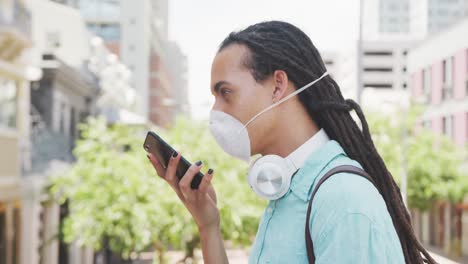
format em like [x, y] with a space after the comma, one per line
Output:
[295, 128]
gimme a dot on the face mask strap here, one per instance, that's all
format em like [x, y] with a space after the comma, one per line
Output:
[286, 98]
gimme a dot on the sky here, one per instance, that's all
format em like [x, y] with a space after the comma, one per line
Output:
[200, 26]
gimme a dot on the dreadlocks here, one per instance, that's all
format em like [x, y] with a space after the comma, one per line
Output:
[276, 45]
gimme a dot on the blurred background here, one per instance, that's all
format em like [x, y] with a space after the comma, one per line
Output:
[81, 81]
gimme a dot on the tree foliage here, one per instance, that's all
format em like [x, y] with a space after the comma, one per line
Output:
[115, 195]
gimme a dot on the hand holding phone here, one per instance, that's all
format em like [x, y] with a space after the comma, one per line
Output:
[162, 151]
[193, 188]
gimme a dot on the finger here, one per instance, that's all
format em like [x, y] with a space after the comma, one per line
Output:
[184, 183]
[206, 181]
[211, 193]
[171, 175]
[157, 166]
[210, 199]
[172, 167]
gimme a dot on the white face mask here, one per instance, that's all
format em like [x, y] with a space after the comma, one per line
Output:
[232, 135]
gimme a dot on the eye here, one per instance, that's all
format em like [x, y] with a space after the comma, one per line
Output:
[224, 91]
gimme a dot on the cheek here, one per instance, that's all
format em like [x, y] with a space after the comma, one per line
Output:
[249, 104]
[261, 127]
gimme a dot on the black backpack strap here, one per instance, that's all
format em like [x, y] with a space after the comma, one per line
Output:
[343, 168]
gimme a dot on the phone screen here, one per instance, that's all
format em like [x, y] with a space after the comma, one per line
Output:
[163, 152]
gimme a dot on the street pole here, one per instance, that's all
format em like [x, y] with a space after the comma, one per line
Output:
[404, 176]
[359, 53]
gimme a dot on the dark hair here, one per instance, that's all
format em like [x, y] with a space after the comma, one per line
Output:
[276, 45]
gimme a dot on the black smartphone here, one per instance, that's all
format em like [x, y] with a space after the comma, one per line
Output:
[155, 145]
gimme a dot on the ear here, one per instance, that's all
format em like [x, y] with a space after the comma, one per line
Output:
[280, 80]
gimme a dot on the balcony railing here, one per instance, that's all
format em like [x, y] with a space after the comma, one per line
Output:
[19, 19]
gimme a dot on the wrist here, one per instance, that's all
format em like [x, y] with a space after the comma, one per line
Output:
[209, 230]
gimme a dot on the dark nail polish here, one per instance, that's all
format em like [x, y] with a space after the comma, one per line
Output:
[198, 163]
[175, 154]
[210, 171]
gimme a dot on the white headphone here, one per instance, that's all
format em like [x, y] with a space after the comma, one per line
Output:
[270, 175]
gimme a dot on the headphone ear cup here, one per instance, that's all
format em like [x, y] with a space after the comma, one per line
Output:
[270, 177]
[251, 168]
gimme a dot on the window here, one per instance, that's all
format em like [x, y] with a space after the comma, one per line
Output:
[62, 118]
[447, 78]
[378, 85]
[377, 69]
[404, 69]
[53, 40]
[72, 124]
[466, 126]
[447, 126]
[378, 53]
[447, 74]
[404, 86]
[6, 10]
[8, 105]
[442, 12]
[110, 32]
[427, 81]
[466, 81]
[393, 7]
[105, 10]
[405, 52]
[444, 125]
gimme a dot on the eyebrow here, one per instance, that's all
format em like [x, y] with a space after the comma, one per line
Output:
[218, 85]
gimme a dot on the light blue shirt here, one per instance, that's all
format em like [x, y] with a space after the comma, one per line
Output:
[349, 220]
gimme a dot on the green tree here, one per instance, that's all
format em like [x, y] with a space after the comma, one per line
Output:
[432, 162]
[114, 194]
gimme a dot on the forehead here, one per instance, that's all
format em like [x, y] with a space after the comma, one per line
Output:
[230, 59]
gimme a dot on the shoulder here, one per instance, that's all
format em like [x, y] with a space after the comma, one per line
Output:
[345, 194]
[349, 191]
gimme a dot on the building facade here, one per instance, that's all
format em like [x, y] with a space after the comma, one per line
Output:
[439, 77]
[138, 33]
[60, 100]
[15, 41]
[418, 18]
[390, 29]
[432, 16]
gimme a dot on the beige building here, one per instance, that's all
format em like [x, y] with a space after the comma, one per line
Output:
[15, 41]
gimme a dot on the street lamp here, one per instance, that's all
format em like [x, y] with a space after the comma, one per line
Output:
[359, 53]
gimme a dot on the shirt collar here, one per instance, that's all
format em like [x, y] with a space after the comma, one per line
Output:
[299, 156]
[313, 165]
